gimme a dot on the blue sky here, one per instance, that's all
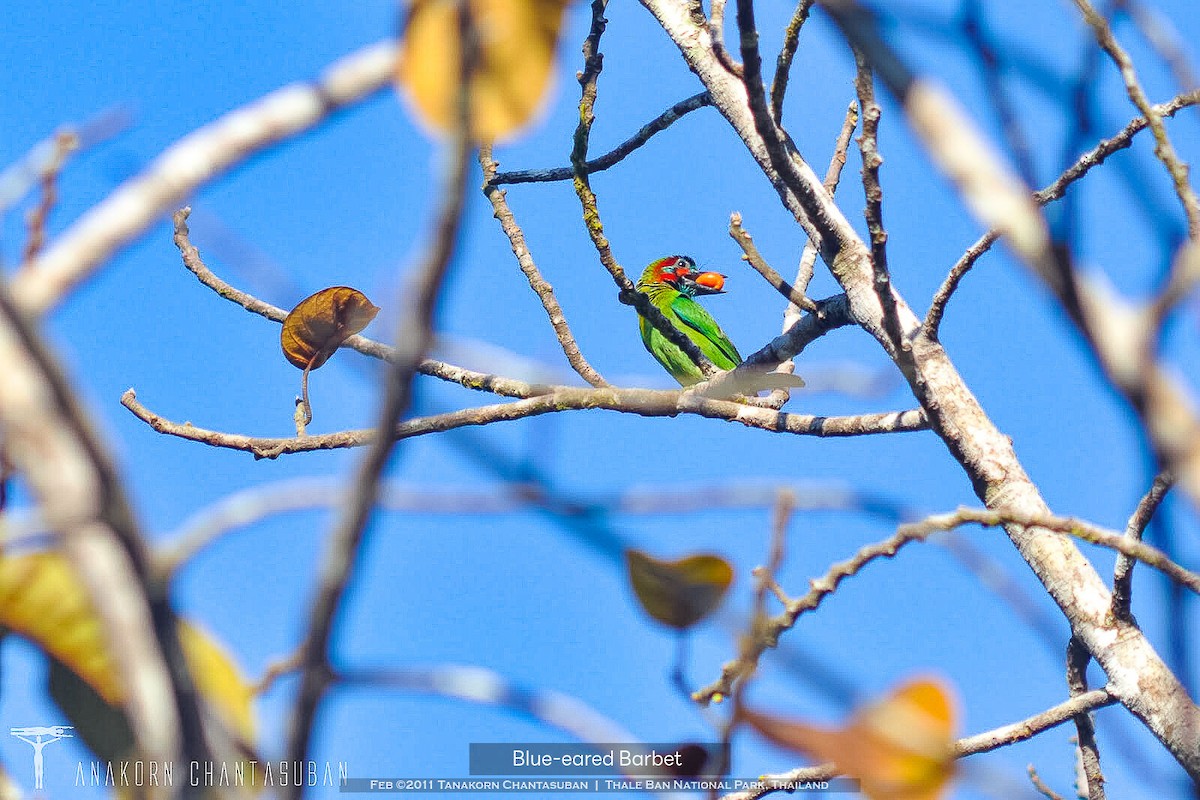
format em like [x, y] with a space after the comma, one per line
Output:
[522, 594]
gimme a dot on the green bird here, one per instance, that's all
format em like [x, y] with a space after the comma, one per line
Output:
[672, 283]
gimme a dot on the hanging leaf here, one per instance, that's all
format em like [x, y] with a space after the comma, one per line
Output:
[511, 76]
[678, 593]
[42, 599]
[899, 748]
[316, 327]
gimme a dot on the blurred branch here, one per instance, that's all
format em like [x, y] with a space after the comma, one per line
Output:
[614, 156]
[1163, 148]
[783, 63]
[1055, 191]
[66, 142]
[1163, 37]
[1122, 592]
[480, 685]
[413, 337]
[19, 178]
[190, 163]
[544, 291]
[49, 439]
[643, 402]
[967, 746]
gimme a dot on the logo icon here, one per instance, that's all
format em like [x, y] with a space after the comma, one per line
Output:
[39, 737]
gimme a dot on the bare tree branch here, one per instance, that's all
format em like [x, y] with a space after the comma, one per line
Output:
[190, 163]
[1122, 593]
[544, 291]
[614, 156]
[593, 63]
[820, 588]
[783, 63]
[643, 402]
[755, 259]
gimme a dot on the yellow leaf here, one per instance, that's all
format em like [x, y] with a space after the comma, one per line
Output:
[517, 43]
[899, 748]
[678, 593]
[42, 599]
[319, 324]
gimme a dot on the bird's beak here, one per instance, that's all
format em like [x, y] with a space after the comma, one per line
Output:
[699, 283]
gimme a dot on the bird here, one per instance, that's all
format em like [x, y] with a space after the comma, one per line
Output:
[671, 283]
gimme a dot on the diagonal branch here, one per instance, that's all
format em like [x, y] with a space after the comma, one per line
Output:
[616, 155]
[192, 162]
[783, 63]
[544, 291]
[1122, 593]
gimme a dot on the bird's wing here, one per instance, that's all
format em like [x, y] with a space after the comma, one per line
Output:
[693, 316]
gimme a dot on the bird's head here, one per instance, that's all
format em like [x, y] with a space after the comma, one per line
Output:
[681, 274]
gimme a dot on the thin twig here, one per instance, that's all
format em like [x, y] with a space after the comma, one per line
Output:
[783, 63]
[544, 291]
[614, 156]
[755, 259]
[833, 175]
[1122, 593]
[1078, 659]
[65, 143]
[1040, 785]
[19, 178]
[193, 161]
[470, 379]
[868, 146]
[413, 336]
